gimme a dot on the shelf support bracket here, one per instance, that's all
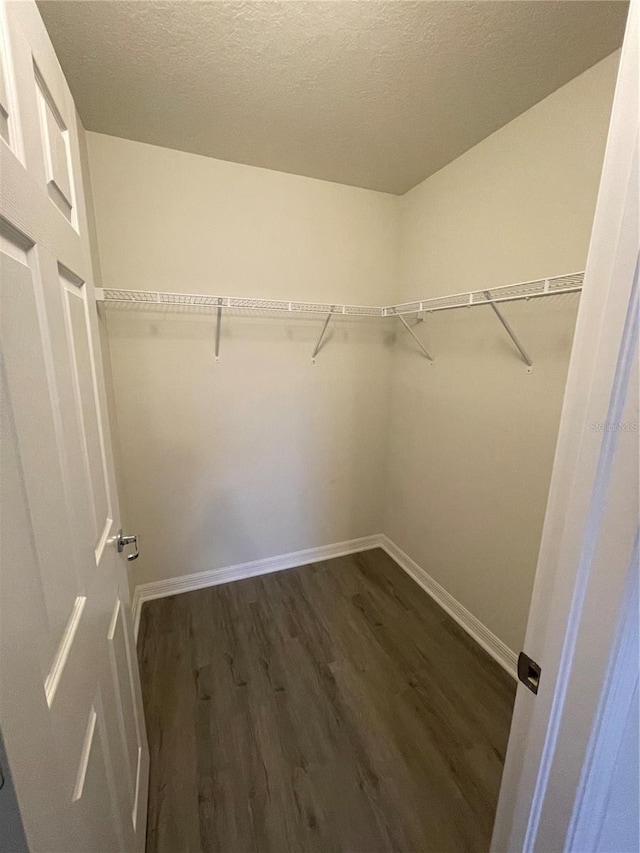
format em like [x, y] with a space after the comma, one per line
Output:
[510, 332]
[415, 337]
[218, 326]
[321, 338]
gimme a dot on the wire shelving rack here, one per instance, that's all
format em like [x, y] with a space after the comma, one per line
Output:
[494, 297]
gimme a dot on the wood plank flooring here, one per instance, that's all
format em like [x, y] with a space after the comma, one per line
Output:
[333, 707]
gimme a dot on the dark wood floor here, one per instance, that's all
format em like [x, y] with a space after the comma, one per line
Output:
[333, 707]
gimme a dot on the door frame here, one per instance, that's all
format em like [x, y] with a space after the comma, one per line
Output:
[550, 797]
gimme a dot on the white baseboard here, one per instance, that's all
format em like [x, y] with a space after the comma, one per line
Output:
[187, 583]
[498, 650]
[213, 577]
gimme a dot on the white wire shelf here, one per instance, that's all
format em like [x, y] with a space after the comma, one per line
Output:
[554, 286]
[151, 299]
[571, 283]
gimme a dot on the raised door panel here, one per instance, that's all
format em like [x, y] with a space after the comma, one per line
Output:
[6, 108]
[47, 116]
[55, 146]
[76, 469]
[10, 130]
[126, 711]
[94, 783]
[31, 391]
[44, 807]
[85, 389]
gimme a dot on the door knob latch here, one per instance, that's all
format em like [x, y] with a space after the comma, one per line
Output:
[123, 541]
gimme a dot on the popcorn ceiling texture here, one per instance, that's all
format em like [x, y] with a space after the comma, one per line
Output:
[374, 94]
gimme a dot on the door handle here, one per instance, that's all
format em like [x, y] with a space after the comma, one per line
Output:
[122, 541]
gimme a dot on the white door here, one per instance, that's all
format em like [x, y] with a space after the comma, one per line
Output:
[567, 744]
[70, 700]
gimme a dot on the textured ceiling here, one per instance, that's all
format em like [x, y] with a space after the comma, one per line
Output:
[375, 94]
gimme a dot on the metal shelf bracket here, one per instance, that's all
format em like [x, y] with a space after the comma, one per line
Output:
[511, 333]
[321, 338]
[218, 327]
[425, 351]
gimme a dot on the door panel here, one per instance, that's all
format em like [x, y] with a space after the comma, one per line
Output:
[75, 469]
[25, 643]
[93, 785]
[127, 710]
[38, 440]
[9, 128]
[55, 146]
[70, 700]
[84, 382]
[4, 102]
[119, 660]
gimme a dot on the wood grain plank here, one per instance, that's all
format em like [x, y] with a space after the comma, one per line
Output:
[333, 707]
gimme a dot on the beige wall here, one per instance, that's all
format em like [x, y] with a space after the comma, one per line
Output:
[264, 452]
[472, 438]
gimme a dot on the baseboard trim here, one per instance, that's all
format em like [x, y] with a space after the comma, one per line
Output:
[254, 568]
[485, 638]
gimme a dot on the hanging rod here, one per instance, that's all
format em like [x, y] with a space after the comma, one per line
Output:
[509, 293]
